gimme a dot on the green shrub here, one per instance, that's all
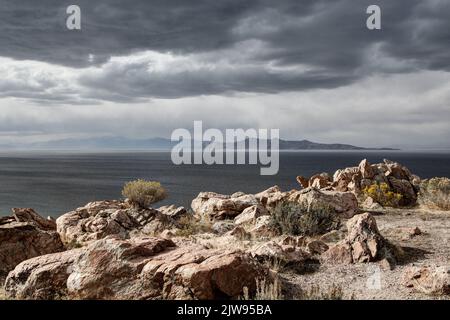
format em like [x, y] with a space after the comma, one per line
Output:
[143, 193]
[383, 194]
[295, 219]
[435, 193]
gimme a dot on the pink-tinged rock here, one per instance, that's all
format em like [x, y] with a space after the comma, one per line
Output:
[41, 278]
[100, 219]
[23, 236]
[219, 206]
[271, 197]
[343, 203]
[363, 243]
[366, 170]
[428, 280]
[138, 268]
[250, 214]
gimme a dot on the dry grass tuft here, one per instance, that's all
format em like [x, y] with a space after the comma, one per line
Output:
[191, 225]
[265, 290]
[316, 292]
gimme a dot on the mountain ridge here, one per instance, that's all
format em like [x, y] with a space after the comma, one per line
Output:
[158, 143]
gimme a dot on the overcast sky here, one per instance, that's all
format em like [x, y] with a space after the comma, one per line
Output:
[142, 68]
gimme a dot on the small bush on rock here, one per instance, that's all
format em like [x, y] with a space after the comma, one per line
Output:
[295, 219]
[143, 193]
[383, 194]
[435, 193]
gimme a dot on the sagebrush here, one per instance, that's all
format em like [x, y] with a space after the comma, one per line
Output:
[435, 193]
[296, 219]
[143, 193]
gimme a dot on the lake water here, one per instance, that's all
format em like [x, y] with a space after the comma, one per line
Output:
[54, 182]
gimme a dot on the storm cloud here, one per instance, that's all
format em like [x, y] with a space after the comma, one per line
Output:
[142, 53]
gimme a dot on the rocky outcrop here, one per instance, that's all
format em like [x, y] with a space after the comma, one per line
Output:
[363, 243]
[173, 211]
[138, 268]
[343, 203]
[269, 198]
[262, 228]
[218, 206]
[398, 178]
[281, 255]
[250, 214]
[198, 273]
[247, 208]
[23, 236]
[41, 278]
[428, 280]
[100, 219]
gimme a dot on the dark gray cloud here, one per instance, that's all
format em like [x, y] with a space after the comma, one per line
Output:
[298, 45]
[37, 29]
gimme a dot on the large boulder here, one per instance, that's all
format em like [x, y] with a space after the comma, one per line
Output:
[43, 277]
[281, 255]
[100, 219]
[138, 268]
[363, 243]
[343, 203]
[428, 280]
[405, 188]
[110, 268]
[218, 206]
[199, 273]
[250, 214]
[23, 236]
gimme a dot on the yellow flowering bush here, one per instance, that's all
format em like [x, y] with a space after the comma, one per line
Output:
[382, 193]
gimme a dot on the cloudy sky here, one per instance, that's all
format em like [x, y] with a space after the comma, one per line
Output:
[142, 68]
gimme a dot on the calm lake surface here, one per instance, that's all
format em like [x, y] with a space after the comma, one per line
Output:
[55, 182]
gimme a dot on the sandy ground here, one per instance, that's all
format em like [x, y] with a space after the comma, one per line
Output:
[371, 281]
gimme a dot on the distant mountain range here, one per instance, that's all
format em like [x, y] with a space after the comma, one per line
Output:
[122, 143]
